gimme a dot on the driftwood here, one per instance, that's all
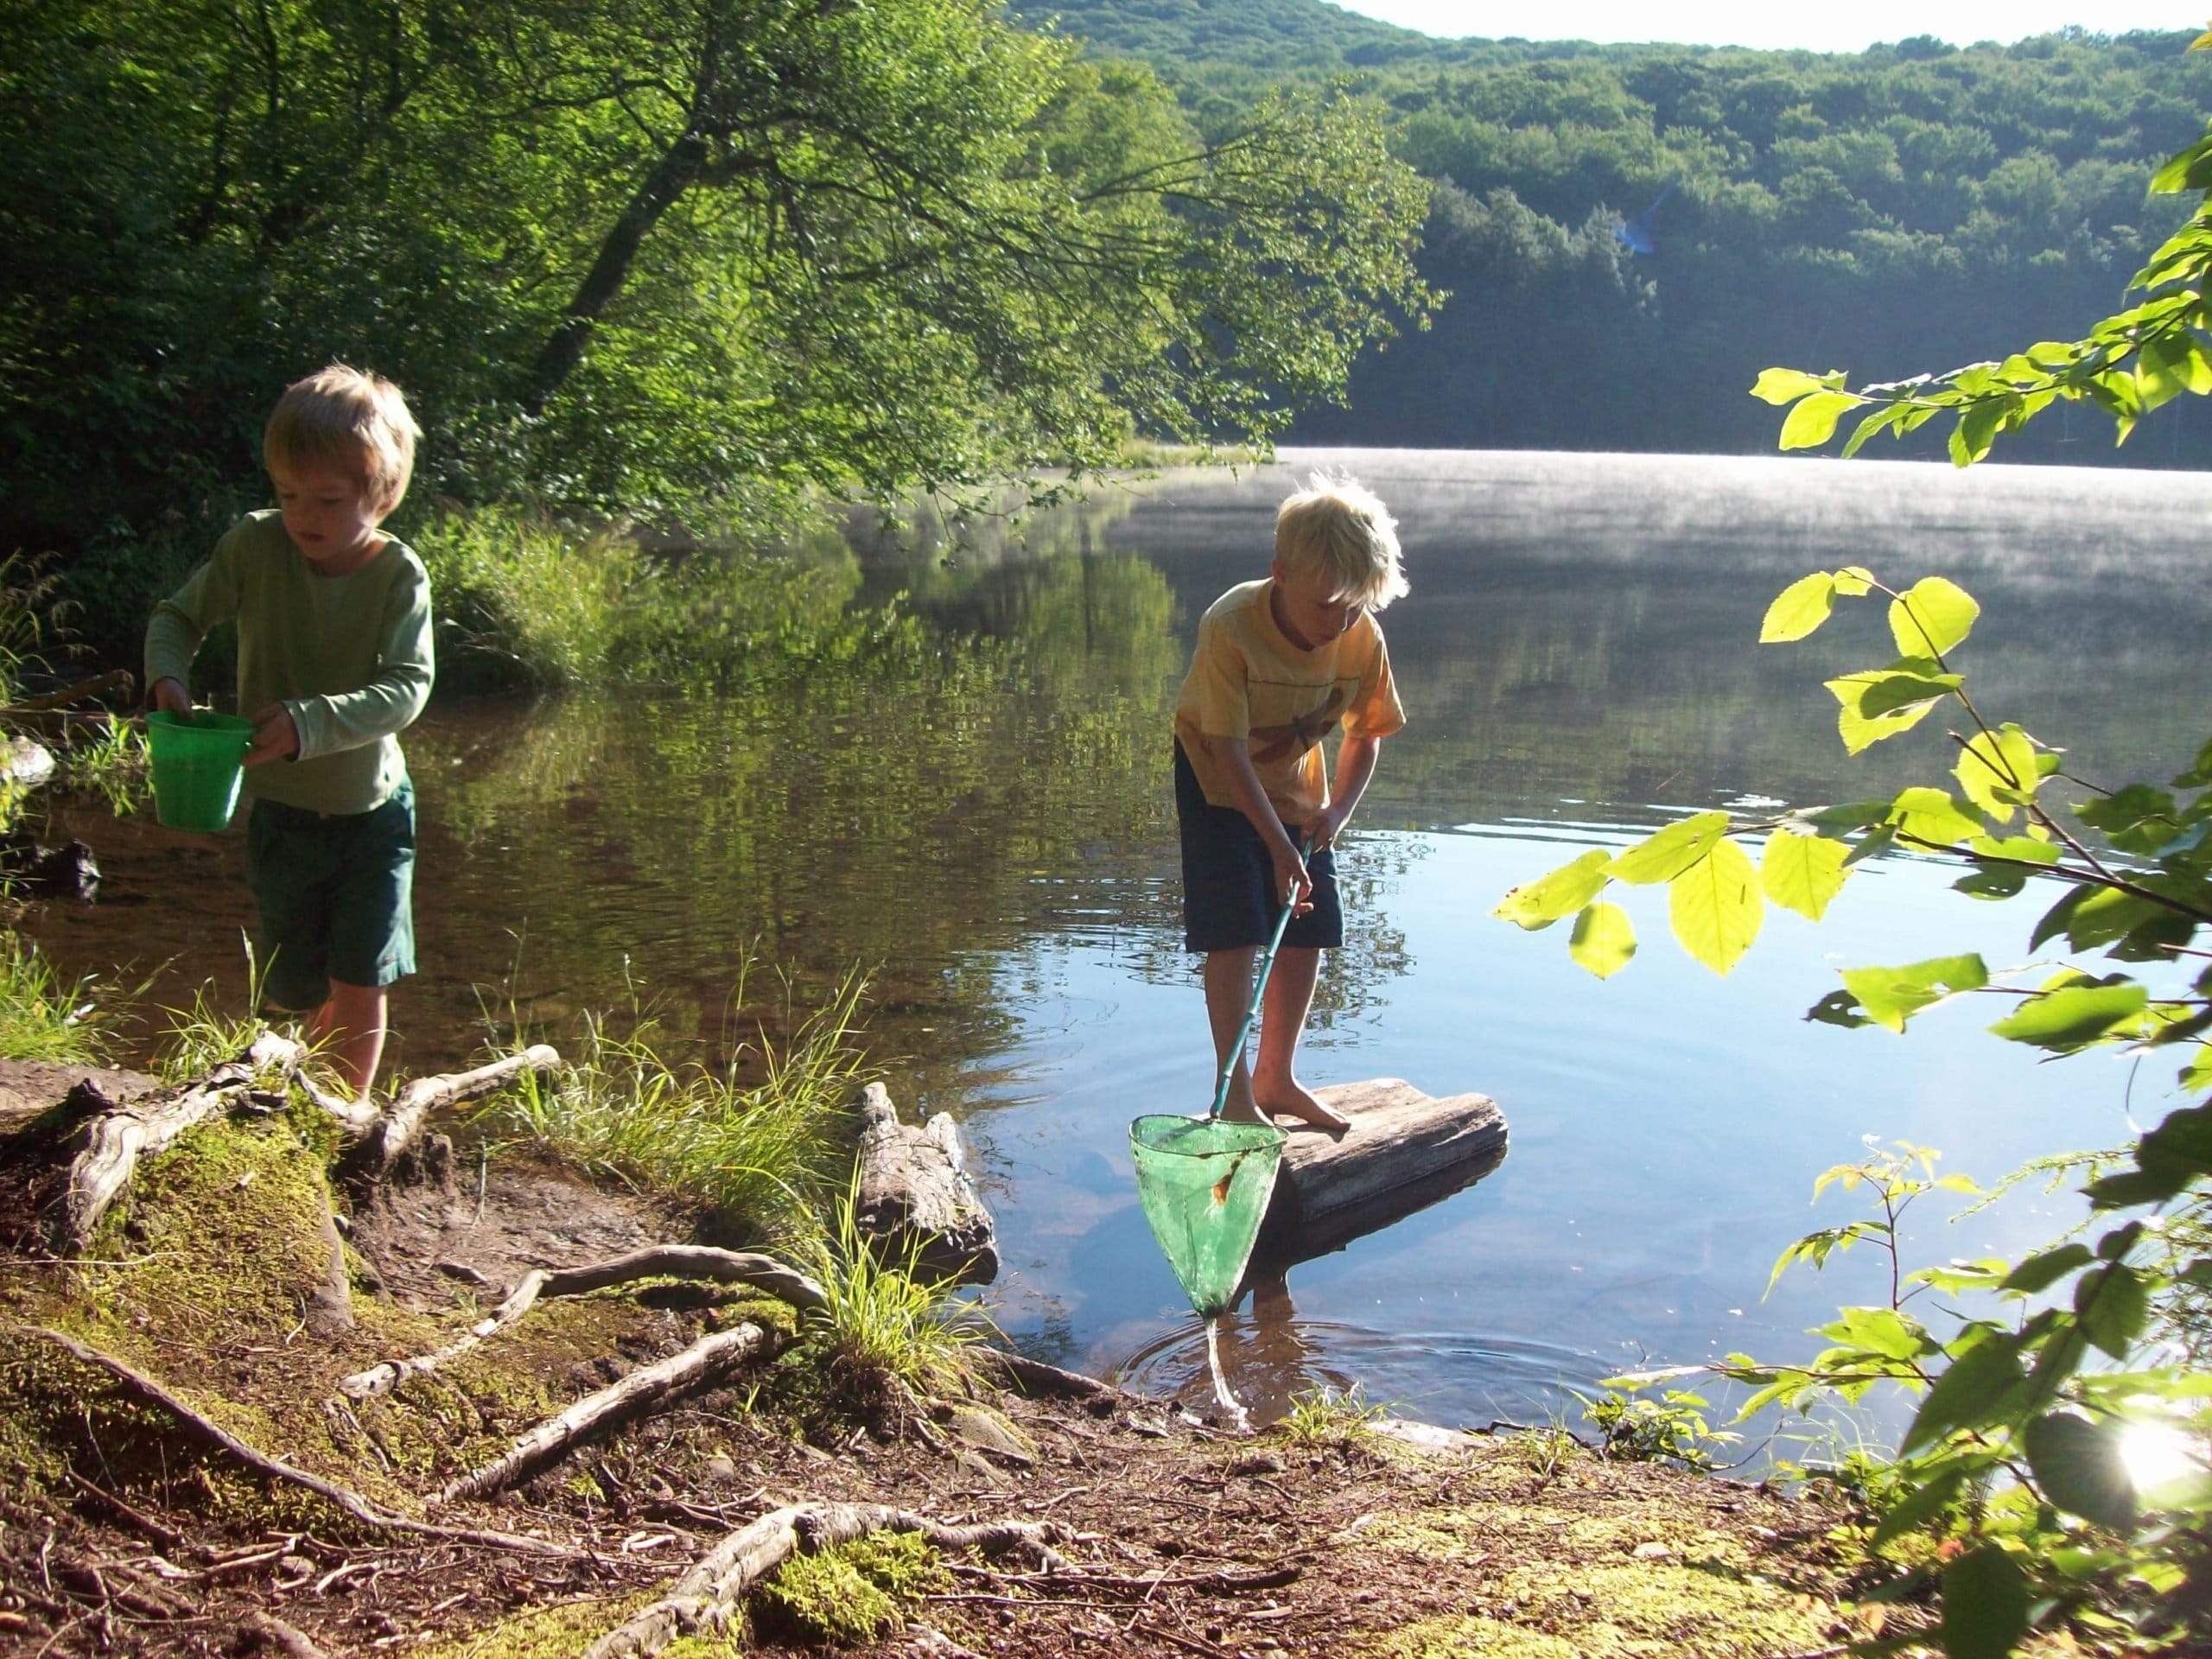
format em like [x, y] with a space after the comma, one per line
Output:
[117, 1136]
[1404, 1152]
[704, 1363]
[661, 1261]
[705, 1599]
[391, 1136]
[915, 1196]
[214, 1436]
[1033, 1379]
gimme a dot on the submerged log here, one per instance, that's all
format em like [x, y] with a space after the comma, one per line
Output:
[916, 1195]
[1404, 1152]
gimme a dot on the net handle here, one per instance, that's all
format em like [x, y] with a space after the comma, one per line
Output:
[1259, 990]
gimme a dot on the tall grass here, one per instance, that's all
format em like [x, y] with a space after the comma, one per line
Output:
[889, 1332]
[43, 1018]
[765, 1155]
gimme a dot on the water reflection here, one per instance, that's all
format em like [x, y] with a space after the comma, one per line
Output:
[980, 817]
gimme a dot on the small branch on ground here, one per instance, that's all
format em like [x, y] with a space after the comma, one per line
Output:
[702, 1365]
[658, 1262]
[705, 1599]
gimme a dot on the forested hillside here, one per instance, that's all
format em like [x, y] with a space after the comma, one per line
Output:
[1907, 208]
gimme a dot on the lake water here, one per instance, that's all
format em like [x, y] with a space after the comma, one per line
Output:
[990, 831]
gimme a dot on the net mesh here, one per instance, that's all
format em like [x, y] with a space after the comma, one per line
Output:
[1204, 1186]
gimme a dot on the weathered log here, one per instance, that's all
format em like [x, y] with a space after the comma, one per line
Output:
[390, 1137]
[702, 1365]
[1034, 1380]
[658, 1262]
[916, 1196]
[705, 1599]
[216, 1438]
[1404, 1152]
[113, 1141]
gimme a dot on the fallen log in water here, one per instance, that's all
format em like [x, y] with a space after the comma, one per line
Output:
[916, 1198]
[1404, 1152]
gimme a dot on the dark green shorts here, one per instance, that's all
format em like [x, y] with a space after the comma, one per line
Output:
[336, 894]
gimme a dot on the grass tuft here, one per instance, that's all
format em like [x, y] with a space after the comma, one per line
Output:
[1327, 1416]
[41, 1017]
[890, 1335]
[766, 1156]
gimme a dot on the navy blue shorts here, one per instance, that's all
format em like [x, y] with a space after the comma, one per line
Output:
[1229, 897]
[336, 896]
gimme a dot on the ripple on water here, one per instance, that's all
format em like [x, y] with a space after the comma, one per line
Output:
[1267, 1362]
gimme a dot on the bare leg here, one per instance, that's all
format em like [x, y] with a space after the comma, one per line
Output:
[352, 1023]
[1275, 1086]
[1228, 979]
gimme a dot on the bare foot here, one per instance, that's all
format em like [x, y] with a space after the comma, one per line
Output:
[1297, 1101]
[1239, 1108]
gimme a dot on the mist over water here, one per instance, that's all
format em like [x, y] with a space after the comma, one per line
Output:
[991, 833]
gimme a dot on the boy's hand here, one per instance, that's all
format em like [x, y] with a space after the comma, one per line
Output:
[1321, 829]
[1291, 878]
[171, 697]
[275, 736]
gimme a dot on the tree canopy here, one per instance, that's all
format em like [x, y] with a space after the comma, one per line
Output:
[1874, 212]
[657, 252]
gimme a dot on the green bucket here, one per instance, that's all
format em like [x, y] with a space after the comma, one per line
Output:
[198, 763]
[1205, 1183]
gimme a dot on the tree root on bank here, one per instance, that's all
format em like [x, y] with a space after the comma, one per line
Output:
[116, 1137]
[214, 1436]
[1035, 1380]
[705, 1599]
[390, 1136]
[702, 1365]
[658, 1262]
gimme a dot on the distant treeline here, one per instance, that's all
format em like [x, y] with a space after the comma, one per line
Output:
[1910, 207]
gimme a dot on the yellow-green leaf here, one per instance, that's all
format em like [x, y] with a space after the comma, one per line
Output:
[1996, 772]
[1802, 872]
[1931, 815]
[1812, 422]
[1860, 732]
[1798, 609]
[1665, 854]
[1714, 906]
[1854, 580]
[1780, 386]
[1931, 617]
[1604, 939]
[1563, 892]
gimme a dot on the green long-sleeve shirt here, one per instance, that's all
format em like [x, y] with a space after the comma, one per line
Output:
[350, 656]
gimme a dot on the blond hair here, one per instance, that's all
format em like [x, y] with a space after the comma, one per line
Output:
[1339, 531]
[359, 424]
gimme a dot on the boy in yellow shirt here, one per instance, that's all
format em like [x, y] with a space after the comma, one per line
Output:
[334, 661]
[1280, 664]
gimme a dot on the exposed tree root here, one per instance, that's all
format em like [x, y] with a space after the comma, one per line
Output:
[116, 1138]
[390, 1137]
[273, 1635]
[219, 1439]
[661, 1261]
[706, 1598]
[703, 1364]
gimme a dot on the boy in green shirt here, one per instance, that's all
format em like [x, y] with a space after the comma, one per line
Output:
[334, 660]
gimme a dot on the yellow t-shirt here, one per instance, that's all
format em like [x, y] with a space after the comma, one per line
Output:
[1248, 680]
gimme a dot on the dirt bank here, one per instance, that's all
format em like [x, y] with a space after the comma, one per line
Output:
[126, 1528]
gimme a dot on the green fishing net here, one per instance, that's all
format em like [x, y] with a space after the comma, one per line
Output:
[1204, 1185]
